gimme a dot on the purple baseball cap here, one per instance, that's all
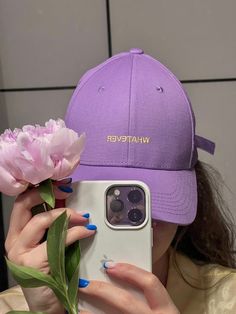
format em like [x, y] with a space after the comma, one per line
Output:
[139, 125]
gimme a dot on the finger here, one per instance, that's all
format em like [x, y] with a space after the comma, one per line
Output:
[36, 227]
[60, 198]
[78, 233]
[154, 291]
[116, 297]
[59, 186]
[21, 213]
[40, 251]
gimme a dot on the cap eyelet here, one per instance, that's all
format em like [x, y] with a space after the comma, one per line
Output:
[159, 89]
[101, 89]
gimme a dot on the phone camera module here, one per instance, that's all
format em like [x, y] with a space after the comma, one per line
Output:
[135, 215]
[126, 205]
[117, 206]
[135, 196]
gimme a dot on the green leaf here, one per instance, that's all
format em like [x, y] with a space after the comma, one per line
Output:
[56, 248]
[73, 288]
[72, 259]
[23, 312]
[29, 277]
[46, 192]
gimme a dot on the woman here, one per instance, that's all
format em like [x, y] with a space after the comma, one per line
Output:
[139, 124]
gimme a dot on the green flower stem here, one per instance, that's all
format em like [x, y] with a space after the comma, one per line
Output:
[64, 267]
[71, 308]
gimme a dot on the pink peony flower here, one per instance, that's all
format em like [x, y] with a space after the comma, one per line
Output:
[36, 153]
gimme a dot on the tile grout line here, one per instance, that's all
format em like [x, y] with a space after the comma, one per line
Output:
[108, 13]
[72, 87]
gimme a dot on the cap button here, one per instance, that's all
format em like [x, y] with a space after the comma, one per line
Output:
[136, 51]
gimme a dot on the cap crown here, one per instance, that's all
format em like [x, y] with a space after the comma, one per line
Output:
[135, 113]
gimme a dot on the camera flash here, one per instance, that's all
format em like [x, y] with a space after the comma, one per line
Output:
[117, 192]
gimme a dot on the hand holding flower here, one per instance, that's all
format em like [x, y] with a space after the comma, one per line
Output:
[37, 156]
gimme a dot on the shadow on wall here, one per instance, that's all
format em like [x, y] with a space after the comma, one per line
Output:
[3, 126]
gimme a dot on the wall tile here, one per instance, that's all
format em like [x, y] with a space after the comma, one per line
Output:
[196, 39]
[35, 107]
[50, 43]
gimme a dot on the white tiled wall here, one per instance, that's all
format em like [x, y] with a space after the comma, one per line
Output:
[51, 43]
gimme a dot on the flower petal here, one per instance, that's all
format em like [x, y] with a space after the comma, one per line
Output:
[9, 185]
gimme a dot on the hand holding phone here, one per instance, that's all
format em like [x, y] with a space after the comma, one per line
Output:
[121, 211]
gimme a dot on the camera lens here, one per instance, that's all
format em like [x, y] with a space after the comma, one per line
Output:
[116, 205]
[135, 196]
[135, 215]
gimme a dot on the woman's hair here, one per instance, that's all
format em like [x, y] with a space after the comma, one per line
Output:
[210, 238]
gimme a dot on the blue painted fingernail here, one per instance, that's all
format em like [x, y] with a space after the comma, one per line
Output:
[86, 215]
[83, 283]
[66, 189]
[91, 227]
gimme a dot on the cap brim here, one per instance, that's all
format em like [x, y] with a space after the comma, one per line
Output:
[173, 193]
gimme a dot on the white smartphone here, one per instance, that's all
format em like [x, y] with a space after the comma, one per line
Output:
[121, 210]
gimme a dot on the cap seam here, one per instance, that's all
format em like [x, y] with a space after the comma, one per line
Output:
[174, 193]
[185, 96]
[130, 99]
[99, 67]
[124, 162]
[165, 205]
[167, 208]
